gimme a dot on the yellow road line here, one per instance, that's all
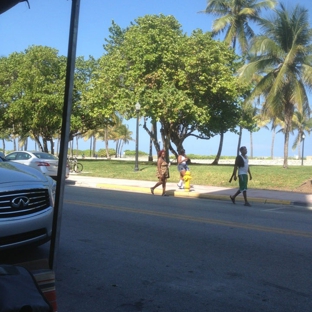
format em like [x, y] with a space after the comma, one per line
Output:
[196, 219]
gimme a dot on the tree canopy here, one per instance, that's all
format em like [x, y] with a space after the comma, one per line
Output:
[32, 95]
[186, 83]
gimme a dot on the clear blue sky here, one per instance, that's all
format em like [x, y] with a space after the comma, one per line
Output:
[47, 23]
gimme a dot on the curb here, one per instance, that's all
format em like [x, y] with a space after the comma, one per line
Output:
[194, 194]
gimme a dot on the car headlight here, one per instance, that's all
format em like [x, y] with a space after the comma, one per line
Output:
[52, 187]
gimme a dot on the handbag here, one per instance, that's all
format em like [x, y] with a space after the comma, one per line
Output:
[19, 291]
[168, 174]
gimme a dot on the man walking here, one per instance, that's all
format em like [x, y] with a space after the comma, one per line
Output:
[241, 165]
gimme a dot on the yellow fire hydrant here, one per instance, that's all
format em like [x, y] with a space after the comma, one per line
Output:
[187, 181]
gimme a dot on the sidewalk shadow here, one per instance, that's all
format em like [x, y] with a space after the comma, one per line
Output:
[71, 182]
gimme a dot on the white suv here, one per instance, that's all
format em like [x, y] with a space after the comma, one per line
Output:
[26, 205]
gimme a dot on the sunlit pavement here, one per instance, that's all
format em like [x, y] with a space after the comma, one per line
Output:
[199, 191]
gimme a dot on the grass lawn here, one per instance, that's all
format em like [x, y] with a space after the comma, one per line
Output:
[264, 177]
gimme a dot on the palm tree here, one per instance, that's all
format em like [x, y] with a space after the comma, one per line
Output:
[235, 16]
[111, 132]
[267, 117]
[93, 135]
[247, 121]
[124, 136]
[283, 57]
[253, 112]
[263, 122]
[302, 123]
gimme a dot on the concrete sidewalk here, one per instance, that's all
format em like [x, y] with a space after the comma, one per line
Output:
[200, 191]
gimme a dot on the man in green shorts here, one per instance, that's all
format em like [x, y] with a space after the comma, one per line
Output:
[241, 165]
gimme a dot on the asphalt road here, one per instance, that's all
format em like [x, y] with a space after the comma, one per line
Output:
[135, 252]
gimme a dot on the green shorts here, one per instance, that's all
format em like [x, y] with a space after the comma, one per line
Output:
[243, 181]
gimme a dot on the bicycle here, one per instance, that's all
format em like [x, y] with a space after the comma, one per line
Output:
[74, 165]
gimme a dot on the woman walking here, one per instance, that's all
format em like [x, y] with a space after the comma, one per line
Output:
[162, 173]
[182, 166]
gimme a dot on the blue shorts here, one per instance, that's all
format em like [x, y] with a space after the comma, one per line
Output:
[182, 167]
[243, 181]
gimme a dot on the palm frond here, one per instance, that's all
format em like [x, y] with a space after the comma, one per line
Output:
[306, 71]
[234, 18]
[220, 24]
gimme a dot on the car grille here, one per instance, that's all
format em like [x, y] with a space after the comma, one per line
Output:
[22, 237]
[23, 202]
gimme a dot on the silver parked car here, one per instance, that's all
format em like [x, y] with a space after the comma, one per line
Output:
[45, 162]
[26, 205]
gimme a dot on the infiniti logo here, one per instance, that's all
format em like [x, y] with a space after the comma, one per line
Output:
[20, 202]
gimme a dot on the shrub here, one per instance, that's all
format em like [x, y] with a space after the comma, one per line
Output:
[132, 153]
[102, 152]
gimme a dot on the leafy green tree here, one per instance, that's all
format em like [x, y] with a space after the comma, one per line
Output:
[96, 105]
[85, 115]
[42, 79]
[32, 86]
[9, 92]
[34, 94]
[185, 83]
[282, 55]
[5, 82]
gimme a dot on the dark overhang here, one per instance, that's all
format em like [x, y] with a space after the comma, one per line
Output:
[8, 4]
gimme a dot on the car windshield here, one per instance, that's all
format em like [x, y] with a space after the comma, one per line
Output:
[45, 156]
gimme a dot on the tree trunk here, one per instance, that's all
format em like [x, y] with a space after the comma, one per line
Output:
[117, 148]
[251, 145]
[77, 149]
[52, 146]
[153, 138]
[165, 135]
[216, 160]
[121, 147]
[94, 146]
[38, 142]
[299, 148]
[106, 142]
[3, 146]
[91, 146]
[285, 164]
[45, 145]
[150, 156]
[58, 145]
[289, 112]
[239, 140]
[72, 147]
[272, 144]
